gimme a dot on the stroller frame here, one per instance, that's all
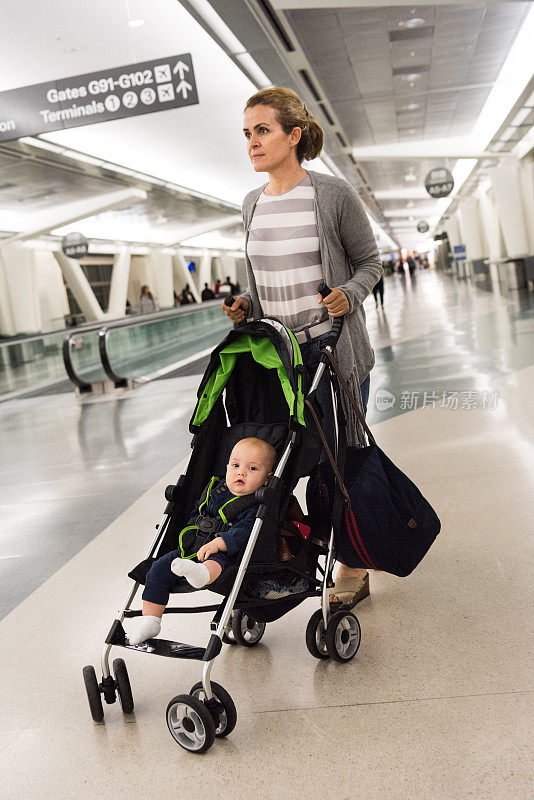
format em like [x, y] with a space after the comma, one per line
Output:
[220, 625]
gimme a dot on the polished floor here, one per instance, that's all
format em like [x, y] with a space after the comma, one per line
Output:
[436, 705]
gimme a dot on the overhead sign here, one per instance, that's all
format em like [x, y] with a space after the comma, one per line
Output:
[98, 97]
[439, 182]
[75, 245]
[459, 252]
[422, 226]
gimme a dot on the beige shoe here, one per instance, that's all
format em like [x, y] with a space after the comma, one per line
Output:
[349, 592]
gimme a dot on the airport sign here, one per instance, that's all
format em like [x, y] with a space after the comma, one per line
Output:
[128, 91]
[75, 245]
[439, 182]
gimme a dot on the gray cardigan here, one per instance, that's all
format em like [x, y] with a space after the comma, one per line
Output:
[351, 262]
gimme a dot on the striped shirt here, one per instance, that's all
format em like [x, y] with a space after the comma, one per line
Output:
[283, 249]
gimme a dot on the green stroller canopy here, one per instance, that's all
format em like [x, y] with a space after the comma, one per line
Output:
[263, 352]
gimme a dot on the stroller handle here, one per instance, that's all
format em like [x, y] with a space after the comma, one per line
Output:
[337, 325]
[229, 301]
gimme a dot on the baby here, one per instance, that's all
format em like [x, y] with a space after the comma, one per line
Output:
[250, 466]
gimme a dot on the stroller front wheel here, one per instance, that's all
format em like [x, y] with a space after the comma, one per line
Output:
[343, 636]
[123, 686]
[93, 693]
[246, 630]
[190, 723]
[315, 636]
[227, 713]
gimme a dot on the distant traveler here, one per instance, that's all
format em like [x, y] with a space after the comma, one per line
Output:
[217, 287]
[186, 297]
[378, 289]
[234, 287]
[207, 293]
[331, 240]
[147, 302]
[411, 263]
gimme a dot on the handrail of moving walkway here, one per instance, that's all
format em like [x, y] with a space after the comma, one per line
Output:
[119, 382]
[82, 385]
[103, 333]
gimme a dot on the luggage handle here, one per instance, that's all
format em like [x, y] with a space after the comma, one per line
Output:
[337, 473]
[345, 387]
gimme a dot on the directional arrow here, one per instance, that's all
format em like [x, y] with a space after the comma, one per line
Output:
[181, 68]
[183, 87]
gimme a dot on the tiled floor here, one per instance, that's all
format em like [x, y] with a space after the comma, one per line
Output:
[436, 705]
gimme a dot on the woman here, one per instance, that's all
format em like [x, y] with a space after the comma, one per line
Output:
[304, 227]
[147, 304]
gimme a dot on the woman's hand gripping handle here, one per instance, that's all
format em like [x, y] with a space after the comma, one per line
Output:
[236, 309]
[328, 294]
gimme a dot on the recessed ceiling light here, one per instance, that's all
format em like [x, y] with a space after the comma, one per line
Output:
[415, 22]
[411, 107]
[410, 177]
[412, 76]
[411, 84]
[412, 130]
[412, 54]
[135, 23]
[411, 204]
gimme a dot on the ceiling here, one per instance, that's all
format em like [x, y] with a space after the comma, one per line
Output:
[378, 76]
[387, 77]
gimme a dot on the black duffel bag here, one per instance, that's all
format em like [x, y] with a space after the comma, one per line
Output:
[381, 519]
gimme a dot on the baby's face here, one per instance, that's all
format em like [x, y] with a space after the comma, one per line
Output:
[247, 469]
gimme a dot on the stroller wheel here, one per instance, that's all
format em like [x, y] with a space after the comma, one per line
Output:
[315, 636]
[227, 714]
[93, 693]
[190, 723]
[123, 685]
[246, 631]
[343, 636]
[228, 636]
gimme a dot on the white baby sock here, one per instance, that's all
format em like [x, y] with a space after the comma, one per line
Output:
[196, 574]
[146, 627]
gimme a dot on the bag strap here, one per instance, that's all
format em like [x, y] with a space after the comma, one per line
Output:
[344, 385]
[331, 458]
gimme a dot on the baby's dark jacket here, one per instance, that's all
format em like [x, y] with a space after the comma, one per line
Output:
[236, 537]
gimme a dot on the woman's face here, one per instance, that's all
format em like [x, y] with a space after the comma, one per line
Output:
[267, 145]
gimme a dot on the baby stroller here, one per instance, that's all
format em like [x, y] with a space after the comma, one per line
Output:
[254, 385]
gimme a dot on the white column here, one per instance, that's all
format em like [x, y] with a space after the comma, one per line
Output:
[506, 183]
[453, 232]
[20, 281]
[80, 287]
[183, 275]
[205, 270]
[470, 230]
[489, 220]
[228, 267]
[120, 275]
[53, 301]
[7, 326]
[527, 186]
[161, 267]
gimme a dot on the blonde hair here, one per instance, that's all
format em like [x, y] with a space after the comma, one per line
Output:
[261, 444]
[291, 113]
